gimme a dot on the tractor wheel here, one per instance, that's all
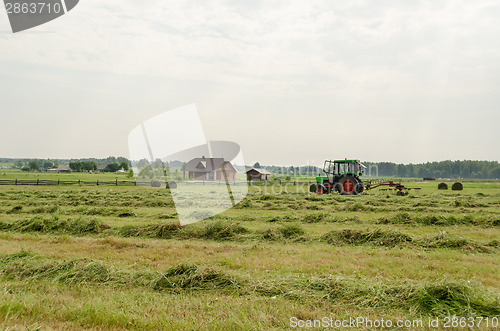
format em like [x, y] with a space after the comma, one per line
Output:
[320, 190]
[313, 188]
[348, 185]
[400, 193]
[361, 186]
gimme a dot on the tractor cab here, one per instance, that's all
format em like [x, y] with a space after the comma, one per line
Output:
[342, 176]
[343, 167]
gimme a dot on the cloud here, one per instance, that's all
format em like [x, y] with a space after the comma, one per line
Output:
[393, 62]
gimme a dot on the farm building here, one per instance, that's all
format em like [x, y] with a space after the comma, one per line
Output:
[60, 169]
[258, 174]
[101, 167]
[210, 169]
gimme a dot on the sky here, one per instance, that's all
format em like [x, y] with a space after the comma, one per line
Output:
[292, 82]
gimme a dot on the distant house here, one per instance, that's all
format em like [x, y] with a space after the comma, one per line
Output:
[101, 167]
[258, 174]
[210, 169]
[60, 169]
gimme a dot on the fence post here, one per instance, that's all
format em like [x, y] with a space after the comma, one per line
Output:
[16, 181]
[37, 181]
[98, 182]
[78, 182]
[116, 182]
[58, 181]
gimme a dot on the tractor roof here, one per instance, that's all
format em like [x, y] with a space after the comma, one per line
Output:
[345, 161]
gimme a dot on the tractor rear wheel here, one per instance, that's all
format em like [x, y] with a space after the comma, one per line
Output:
[348, 185]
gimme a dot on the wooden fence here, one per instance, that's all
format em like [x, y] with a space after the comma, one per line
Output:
[68, 182]
[43, 182]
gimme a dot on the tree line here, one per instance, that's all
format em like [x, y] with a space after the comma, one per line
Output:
[80, 166]
[443, 169]
[34, 165]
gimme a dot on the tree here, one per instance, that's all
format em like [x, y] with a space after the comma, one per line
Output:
[76, 166]
[122, 159]
[184, 166]
[46, 164]
[167, 169]
[256, 165]
[142, 163]
[111, 159]
[89, 165]
[146, 172]
[124, 166]
[33, 166]
[112, 167]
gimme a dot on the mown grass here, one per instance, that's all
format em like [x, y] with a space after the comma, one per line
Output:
[432, 253]
[442, 299]
[222, 229]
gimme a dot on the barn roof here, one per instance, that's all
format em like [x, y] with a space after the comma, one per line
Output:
[202, 164]
[260, 171]
[226, 163]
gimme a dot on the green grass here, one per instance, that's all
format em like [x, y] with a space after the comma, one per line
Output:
[116, 257]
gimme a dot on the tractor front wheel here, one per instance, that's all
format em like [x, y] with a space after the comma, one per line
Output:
[320, 190]
[313, 188]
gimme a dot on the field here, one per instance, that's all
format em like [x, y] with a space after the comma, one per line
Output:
[115, 257]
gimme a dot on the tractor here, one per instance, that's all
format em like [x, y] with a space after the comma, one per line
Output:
[342, 176]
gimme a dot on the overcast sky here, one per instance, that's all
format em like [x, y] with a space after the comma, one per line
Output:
[293, 82]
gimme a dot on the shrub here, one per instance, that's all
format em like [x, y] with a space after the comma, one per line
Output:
[442, 186]
[457, 187]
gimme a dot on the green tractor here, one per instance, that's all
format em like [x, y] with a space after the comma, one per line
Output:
[342, 176]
